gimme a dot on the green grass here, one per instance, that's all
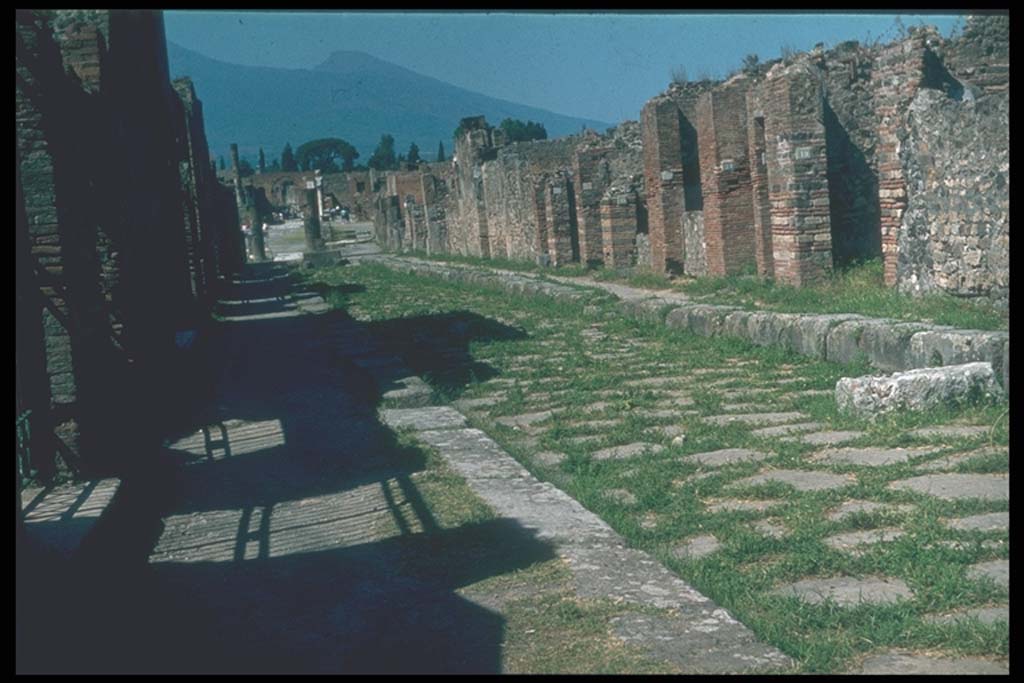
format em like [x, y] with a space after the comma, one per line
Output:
[542, 360]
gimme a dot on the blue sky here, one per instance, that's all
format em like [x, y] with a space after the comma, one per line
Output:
[598, 66]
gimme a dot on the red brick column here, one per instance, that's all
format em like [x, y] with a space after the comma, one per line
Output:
[759, 182]
[540, 189]
[725, 178]
[663, 179]
[558, 219]
[798, 183]
[591, 180]
[618, 228]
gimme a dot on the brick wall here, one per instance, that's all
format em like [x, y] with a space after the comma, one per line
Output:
[725, 178]
[618, 212]
[559, 220]
[663, 179]
[591, 175]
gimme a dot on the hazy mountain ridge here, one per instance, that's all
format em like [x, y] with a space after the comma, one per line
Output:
[352, 95]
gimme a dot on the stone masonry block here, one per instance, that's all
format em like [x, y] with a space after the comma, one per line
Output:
[808, 334]
[951, 347]
[887, 343]
[736, 323]
[767, 329]
[708, 320]
[841, 344]
[917, 390]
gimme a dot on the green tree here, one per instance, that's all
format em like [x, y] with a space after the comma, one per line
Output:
[288, 159]
[440, 151]
[222, 164]
[274, 166]
[383, 158]
[413, 156]
[323, 154]
[261, 163]
[517, 131]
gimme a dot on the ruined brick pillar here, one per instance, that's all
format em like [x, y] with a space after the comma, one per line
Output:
[797, 176]
[756, 143]
[473, 148]
[663, 179]
[618, 211]
[540, 188]
[725, 178]
[558, 220]
[434, 214]
[591, 175]
[899, 71]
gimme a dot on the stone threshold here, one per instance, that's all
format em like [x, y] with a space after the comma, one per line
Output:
[889, 345]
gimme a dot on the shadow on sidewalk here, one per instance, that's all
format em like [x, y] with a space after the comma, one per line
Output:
[289, 535]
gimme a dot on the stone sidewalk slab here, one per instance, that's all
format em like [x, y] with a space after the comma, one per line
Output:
[954, 486]
[847, 591]
[602, 565]
[902, 664]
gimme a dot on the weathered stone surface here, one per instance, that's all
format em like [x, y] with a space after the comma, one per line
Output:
[919, 389]
[955, 347]
[726, 456]
[809, 333]
[897, 663]
[852, 541]
[525, 421]
[755, 418]
[697, 547]
[954, 486]
[886, 343]
[853, 507]
[868, 457]
[801, 480]
[476, 403]
[847, 591]
[782, 430]
[627, 451]
[841, 343]
[419, 419]
[996, 570]
[992, 521]
[986, 615]
[827, 438]
[951, 431]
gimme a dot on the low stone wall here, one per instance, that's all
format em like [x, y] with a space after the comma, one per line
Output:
[889, 345]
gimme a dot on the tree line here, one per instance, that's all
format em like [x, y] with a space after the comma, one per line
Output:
[331, 155]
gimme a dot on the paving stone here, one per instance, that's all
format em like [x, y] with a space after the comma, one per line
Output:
[727, 456]
[585, 439]
[739, 406]
[899, 663]
[986, 615]
[550, 458]
[649, 521]
[853, 507]
[743, 393]
[801, 480]
[695, 548]
[782, 430]
[662, 413]
[593, 424]
[992, 521]
[951, 431]
[997, 570]
[808, 392]
[989, 544]
[947, 462]
[679, 400]
[475, 403]
[847, 591]
[627, 451]
[419, 419]
[955, 486]
[827, 438]
[755, 418]
[623, 496]
[772, 529]
[735, 505]
[868, 457]
[852, 541]
[524, 421]
[656, 382]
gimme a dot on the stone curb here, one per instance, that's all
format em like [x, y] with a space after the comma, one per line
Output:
[889, 345]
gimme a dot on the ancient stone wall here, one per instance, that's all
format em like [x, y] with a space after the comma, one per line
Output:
[955, 233]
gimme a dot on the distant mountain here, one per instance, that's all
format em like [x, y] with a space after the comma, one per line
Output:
[352, 95]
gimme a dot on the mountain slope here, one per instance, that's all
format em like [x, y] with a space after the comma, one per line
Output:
[352, 95]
